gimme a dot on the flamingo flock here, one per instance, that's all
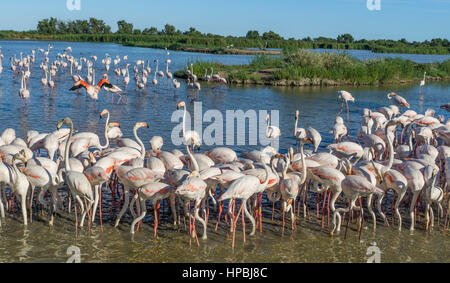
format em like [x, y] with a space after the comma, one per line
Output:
[82, 72]
[396, 167]
[399, 160]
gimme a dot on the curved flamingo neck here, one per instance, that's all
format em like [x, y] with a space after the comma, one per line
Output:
[303, 179]
[106, 133]
[193, 160]
[66, 151]
[391, 150]
[266, 168]
[139, 142]
[286, 166]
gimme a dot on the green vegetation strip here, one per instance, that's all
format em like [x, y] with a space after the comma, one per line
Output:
[305, 68]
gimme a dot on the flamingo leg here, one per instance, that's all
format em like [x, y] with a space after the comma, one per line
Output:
[235, 219]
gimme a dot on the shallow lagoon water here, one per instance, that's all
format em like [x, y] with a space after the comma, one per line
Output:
[318, 107]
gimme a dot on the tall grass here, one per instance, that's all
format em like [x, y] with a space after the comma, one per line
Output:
[301, 64]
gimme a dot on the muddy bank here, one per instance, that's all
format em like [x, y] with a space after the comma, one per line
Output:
[267, 80]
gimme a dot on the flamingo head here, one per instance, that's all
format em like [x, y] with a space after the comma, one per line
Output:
[92, 159]
[142, 124]
[20, 156]
[104, 112]
[291, 154]
[65, 121]
[391, 94]
[181, 104]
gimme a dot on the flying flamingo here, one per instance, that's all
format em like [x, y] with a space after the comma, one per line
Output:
[112, 90]
[91, 90]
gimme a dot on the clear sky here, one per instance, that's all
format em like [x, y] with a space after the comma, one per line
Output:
[411, 19]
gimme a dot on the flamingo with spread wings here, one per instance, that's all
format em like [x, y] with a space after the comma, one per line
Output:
[92, 90]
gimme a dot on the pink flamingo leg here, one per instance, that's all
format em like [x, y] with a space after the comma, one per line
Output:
[235, 219]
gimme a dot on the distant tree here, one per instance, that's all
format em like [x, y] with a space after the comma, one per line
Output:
[169, 29]
[270, 35]
[137, 31]
[47, 25]
[252, 34]
[150, 31]
[98, 26]
[83, 26]
[124, 27]
[193, 32]
[62, 27]
[345, 38]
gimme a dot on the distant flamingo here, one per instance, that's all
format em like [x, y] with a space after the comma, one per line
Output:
[398, 100]
[345, 96]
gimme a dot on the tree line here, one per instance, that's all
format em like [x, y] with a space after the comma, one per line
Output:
[97, 30]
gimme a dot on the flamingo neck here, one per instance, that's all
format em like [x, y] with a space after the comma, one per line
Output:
[266, 168]
[139, 142]
[303, 179]
[106, 134]
[193, 160]
[391, 150]
[66, 151]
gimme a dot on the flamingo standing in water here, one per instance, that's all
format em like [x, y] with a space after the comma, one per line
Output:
[24, 93]
[78, 183]
[299, 133]
[272, 132]
[190, 137]
[169, 75]
[422, 82]
[242, 189]
[193, 189]
[398, 100]
[345, 96]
